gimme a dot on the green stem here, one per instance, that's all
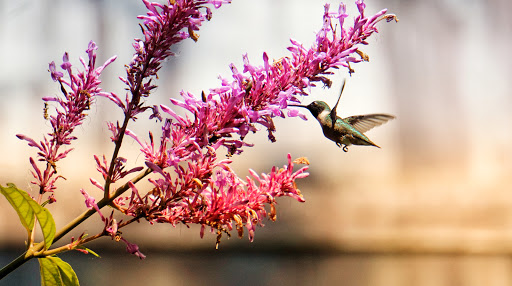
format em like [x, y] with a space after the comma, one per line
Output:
[35, 250]
[16, 263]
[103, 202]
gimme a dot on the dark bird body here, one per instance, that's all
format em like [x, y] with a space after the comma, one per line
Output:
[346, 131]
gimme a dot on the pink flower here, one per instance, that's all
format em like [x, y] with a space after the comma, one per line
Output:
[78, 93]
[193, 187]
[163, 26]
[118, 170]
[260, 93]
[207, 192]
[133, 249]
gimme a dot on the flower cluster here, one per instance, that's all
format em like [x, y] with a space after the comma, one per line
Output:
[111, 227]
[78, 93]
[194, 187]
[209, 193]
[164, 26]
[260, 93]
[189, 183]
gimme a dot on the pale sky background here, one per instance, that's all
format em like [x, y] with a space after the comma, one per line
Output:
[440, 183]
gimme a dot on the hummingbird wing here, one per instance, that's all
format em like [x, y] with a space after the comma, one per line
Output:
[333, 111]
[366, 122]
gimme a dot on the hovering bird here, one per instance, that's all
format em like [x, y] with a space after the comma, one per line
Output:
[345, 131]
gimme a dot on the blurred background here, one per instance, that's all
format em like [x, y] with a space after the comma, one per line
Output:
[432, 207]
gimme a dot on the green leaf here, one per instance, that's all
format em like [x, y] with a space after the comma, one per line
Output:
[56, 272]
[88, 251]
[27, 209]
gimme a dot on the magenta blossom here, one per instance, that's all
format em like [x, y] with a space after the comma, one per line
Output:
[194, 187]
[111, 226]
[189, 183]
[78, 93]
[164, 26]
[260, 93]
[208, 193]
[133, 249]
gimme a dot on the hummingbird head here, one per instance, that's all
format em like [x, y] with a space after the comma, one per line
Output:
[315, 107]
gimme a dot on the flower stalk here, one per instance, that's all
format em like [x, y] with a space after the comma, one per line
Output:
[190, 184]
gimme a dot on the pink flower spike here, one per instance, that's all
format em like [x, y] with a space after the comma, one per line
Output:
[250, 228]
[134, 189]
[96, 184]
[133, 249]
[90, 203]
[156, 113]
[31, 141]
[218, 3]
[189, 183]
[70, 109]
[91, 49]
[108, 62]
[361, 6]
[164, 25]
[154, 167]
[173, 114]
[66, 65]
[56, 75]
[111, 226]
[135, 137]
[115, 99]
[115, 131]
[38, 172]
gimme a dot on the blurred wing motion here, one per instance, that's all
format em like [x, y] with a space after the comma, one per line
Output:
[366, 122]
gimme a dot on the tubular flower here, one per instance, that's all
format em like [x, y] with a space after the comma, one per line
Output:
[193, 186]
[209, 193]
[164, 26]
[78, 93]
[260, 93]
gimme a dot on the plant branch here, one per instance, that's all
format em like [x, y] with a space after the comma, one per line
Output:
[117, 148]
[33, 251]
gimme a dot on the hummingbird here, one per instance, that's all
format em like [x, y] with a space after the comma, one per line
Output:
[345, 131]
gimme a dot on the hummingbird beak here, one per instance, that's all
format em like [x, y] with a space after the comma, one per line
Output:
[298, 105]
